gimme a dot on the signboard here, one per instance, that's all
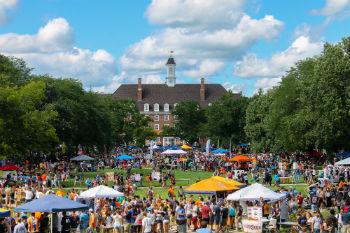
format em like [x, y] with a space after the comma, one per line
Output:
[254, 213]
[252, 226]
[110, 176]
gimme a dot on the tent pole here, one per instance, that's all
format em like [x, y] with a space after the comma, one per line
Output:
[51, 223]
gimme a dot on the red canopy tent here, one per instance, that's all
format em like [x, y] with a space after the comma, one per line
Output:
[10, 167]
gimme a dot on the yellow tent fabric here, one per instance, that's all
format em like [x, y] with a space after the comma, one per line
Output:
[210, 186]
[186, 147]
[230, 181]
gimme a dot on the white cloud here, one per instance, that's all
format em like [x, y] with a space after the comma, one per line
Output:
[266, 83]
[195, 14]
[51, 50]
[235, 88]
[192, 48]
[6, 5]
[279, 63]
[334, 8]
[207, 67]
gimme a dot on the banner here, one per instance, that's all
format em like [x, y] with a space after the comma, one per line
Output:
[252, 226]
[207, 147]
[254, 213]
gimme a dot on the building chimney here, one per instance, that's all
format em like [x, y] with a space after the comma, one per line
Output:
[202, 90]
[139, 90]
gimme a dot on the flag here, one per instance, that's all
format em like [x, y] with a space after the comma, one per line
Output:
[207, 147]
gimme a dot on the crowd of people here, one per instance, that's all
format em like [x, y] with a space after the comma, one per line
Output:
[323, 190]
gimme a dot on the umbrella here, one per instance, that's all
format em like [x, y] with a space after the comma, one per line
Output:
[81, 158]
[255, 192]
[240, 158]
[124, 157]
[101, 192]
[51, 204]
[10, 167]
[4, 213]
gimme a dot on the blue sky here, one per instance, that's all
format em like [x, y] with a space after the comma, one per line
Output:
[242, 44]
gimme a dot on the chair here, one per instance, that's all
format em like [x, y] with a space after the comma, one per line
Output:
[272, 227]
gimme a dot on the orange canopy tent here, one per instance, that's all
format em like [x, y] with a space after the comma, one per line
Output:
[211, 185]
[240, 158]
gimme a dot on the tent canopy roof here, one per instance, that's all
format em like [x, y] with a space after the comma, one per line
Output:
[213, 185]
[124, 157]
[174, 152]
[240, 158]
[50, 204]
[101, 191]
[343, 162]
[80, 158]
[254, 192]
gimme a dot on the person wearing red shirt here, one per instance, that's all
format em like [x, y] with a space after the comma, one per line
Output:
[205, 212]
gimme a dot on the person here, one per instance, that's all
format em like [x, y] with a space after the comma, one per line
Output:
[84, 221]
[205, 212]
[345, 218]
[117, 222]
[232, 215]
[92, 221]
[266, 209]
[3, 225]
[181, 219]
[65, 223]
[204, 228]
[332, 222]
[44, 223]
[32, 224]
[316, 223]
[146, 223]
[21, 226]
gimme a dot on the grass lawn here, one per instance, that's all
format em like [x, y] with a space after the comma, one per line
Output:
[193, 177]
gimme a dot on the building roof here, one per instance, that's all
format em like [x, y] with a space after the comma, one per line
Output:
[161, 93]
[171, 61]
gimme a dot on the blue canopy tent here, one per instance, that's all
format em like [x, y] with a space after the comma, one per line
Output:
[220, 151]
[124, 157]
[344, 154]
[51, 204]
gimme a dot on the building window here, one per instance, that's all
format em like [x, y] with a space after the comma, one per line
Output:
[146, 107]
[156, 126]
[156, 117]
[156, 107]
[166, 107]
[166, 117]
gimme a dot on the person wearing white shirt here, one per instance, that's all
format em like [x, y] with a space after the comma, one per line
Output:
[146, 224]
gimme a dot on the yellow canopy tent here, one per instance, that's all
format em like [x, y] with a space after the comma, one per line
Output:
[230, 181]
[186, 147]
[211, 185]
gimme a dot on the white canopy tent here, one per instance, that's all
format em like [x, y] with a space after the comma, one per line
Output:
[174, 152]
[100, 192]
[343, 162]
[255, 192]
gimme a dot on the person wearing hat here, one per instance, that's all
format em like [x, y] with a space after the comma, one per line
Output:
[21, 226]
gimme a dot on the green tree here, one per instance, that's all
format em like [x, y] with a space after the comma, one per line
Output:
[226, 118]
[189, 117]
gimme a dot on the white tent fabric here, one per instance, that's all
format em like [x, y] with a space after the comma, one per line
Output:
[174, 152]
[100, 192]
[255, 192]
[343, 162]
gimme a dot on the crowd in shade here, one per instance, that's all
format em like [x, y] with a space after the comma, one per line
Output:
[320, 205]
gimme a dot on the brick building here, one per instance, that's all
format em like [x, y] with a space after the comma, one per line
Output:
[159, 100]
